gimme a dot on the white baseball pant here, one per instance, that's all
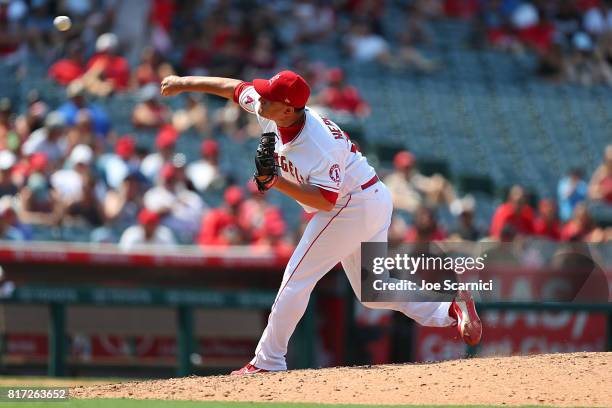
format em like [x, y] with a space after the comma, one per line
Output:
[329, 238]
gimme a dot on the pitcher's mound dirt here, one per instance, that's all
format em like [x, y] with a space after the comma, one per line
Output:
[578, 379]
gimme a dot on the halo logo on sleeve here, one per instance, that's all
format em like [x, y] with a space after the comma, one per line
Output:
[334, 173]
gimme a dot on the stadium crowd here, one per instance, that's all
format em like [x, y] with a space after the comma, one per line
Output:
[65, 165]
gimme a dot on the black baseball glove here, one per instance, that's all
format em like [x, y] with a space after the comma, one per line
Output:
[266, 170]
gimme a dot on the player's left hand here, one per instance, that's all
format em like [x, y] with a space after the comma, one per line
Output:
[266, 170]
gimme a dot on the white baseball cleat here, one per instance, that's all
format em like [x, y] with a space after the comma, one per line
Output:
[468, 323]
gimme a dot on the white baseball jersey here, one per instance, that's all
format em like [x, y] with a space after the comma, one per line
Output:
[320, 155]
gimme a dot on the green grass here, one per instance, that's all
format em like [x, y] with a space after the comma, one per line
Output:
[126, 403]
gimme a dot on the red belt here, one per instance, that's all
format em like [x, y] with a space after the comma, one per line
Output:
[370, 183]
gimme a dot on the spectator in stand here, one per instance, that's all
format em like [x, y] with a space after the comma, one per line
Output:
[363, 45]
[151, 69]
[193, 115]
[7, 163]
[107, 71]
[148, 232]
[397, 232]
[70, 182]
[515, 212]
[124, 161]
[10, 228]
[257, 214]
[121, 205]
[205, 174]
[38, 202]
[180, 208]
[49, 139]
[425, 228]
[8, 137]
[572, 189]
[598, 19]
[581, 226]
[600, 186]
[198, 54]
[33, 118]
[546, 224]
[314, 21]
[221, 226]
[342, 97]
[262, 60]
[165, 143]
[272, 238]
[70, 68]
[150, 113]
[12, 46]
[77, 104]
[465, 229]
[410, 189]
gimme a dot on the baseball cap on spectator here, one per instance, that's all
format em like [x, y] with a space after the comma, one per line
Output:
[38, 162]
[335, 75]
[525, 15]
[81, 154]
[166, 137]
[275, 228]
[464, 205]
[148, 217]
[404, 160]
[106, 42]
[233, 196]
[168, 171]
[286, 87]
[125, 147]
[582, 41]
[7, 160]
[209, 148]
[55, 120]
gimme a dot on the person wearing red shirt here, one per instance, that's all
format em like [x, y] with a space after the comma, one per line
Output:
[580, 227]
[220, 226]
[342, 97]
[547, 223]
[111, 68]
[515, 212]
[66, 70]
[425, 228]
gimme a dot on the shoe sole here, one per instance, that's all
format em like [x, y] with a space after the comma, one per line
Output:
[471, 326]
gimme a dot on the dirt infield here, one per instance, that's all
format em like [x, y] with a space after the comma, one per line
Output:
[578, 379]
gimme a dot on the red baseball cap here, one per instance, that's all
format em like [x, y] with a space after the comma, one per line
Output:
[210, 148]
[167, 171]
[403, 160]
[233, 195]
[166, 137]
[125, 147]
[286, 87]
[148, 217]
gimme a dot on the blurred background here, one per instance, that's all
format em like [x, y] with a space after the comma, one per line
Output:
[134, 243]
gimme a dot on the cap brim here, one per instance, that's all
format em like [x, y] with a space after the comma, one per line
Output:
[262, 86]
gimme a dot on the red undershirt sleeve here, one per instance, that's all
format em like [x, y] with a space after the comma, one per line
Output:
[239, 88]
[329, 195]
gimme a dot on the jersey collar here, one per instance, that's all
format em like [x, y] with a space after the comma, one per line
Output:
[288, 134]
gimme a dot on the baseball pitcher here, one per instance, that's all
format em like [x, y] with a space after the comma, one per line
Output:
[310, 159]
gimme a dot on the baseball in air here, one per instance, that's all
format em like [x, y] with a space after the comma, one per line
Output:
[62, 23]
